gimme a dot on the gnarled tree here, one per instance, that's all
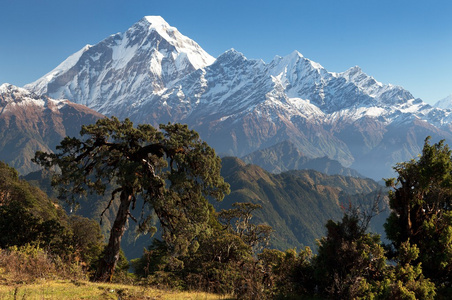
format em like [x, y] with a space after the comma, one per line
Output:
[172, 170]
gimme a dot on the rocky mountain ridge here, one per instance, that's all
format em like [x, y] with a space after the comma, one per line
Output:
[29, 122]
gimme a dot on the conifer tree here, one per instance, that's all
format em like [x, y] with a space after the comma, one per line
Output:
[421, 203]
[171, 169]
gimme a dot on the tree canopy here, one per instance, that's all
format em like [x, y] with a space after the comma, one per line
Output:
[421, 202]
[172, 170]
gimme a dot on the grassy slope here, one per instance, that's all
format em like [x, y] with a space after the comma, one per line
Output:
[65, 289]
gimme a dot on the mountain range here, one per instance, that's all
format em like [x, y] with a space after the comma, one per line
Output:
[153, 74]
[278, 117]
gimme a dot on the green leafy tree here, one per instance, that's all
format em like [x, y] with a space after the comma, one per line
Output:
[172, 170]
[421, 202]
[224, 263]
[348, 257]
[351, 264]
[238, 221]
[29, 219]
[20, 227]
[288, 273]
[87, 240]
[406, 280]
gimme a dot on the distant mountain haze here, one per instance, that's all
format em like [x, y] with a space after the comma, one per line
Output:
[445, 103]
[285, 157]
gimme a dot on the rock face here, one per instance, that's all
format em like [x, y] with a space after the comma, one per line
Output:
[29, 122]
[153, 74]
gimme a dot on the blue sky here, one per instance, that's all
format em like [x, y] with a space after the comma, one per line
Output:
[406, 43]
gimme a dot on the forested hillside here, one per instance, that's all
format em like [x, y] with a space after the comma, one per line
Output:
[297, 203]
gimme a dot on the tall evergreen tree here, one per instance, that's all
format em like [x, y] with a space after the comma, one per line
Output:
[421, 203]
[172, 170]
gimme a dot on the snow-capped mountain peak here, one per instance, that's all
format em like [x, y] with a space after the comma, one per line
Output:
[5, 87]
[294, 55]
[352, 73]
[193, 52]
[118, 71]
[12, 96]
[231, 55]
[445, 103]
[15, 92]
[156, 21]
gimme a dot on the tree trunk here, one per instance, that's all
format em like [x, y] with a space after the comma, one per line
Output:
[111, 253]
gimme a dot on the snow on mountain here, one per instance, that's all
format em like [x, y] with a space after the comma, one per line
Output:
[40, 86]
[152, 73]
[125, 67]
[12, 96]
[29, 122]
[445, 103]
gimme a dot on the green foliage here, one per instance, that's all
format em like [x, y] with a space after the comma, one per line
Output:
[351, 264]
[87, 241]
[421, 201]
[13, 189]
[288, 273]
[220, 266]
[171, 170]
[347, 256]
[237, 220]
[406, 280]
[222, 262]
[28, 218]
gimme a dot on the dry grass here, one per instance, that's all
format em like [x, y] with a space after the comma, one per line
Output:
[66, 289]
[30, 273]
[29, 263]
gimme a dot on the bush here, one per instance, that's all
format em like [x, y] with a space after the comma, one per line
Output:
[287, 274]
[28, 263]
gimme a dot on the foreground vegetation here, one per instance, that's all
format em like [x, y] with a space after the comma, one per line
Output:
[220, 252]
[30, 272]
[66, 289]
